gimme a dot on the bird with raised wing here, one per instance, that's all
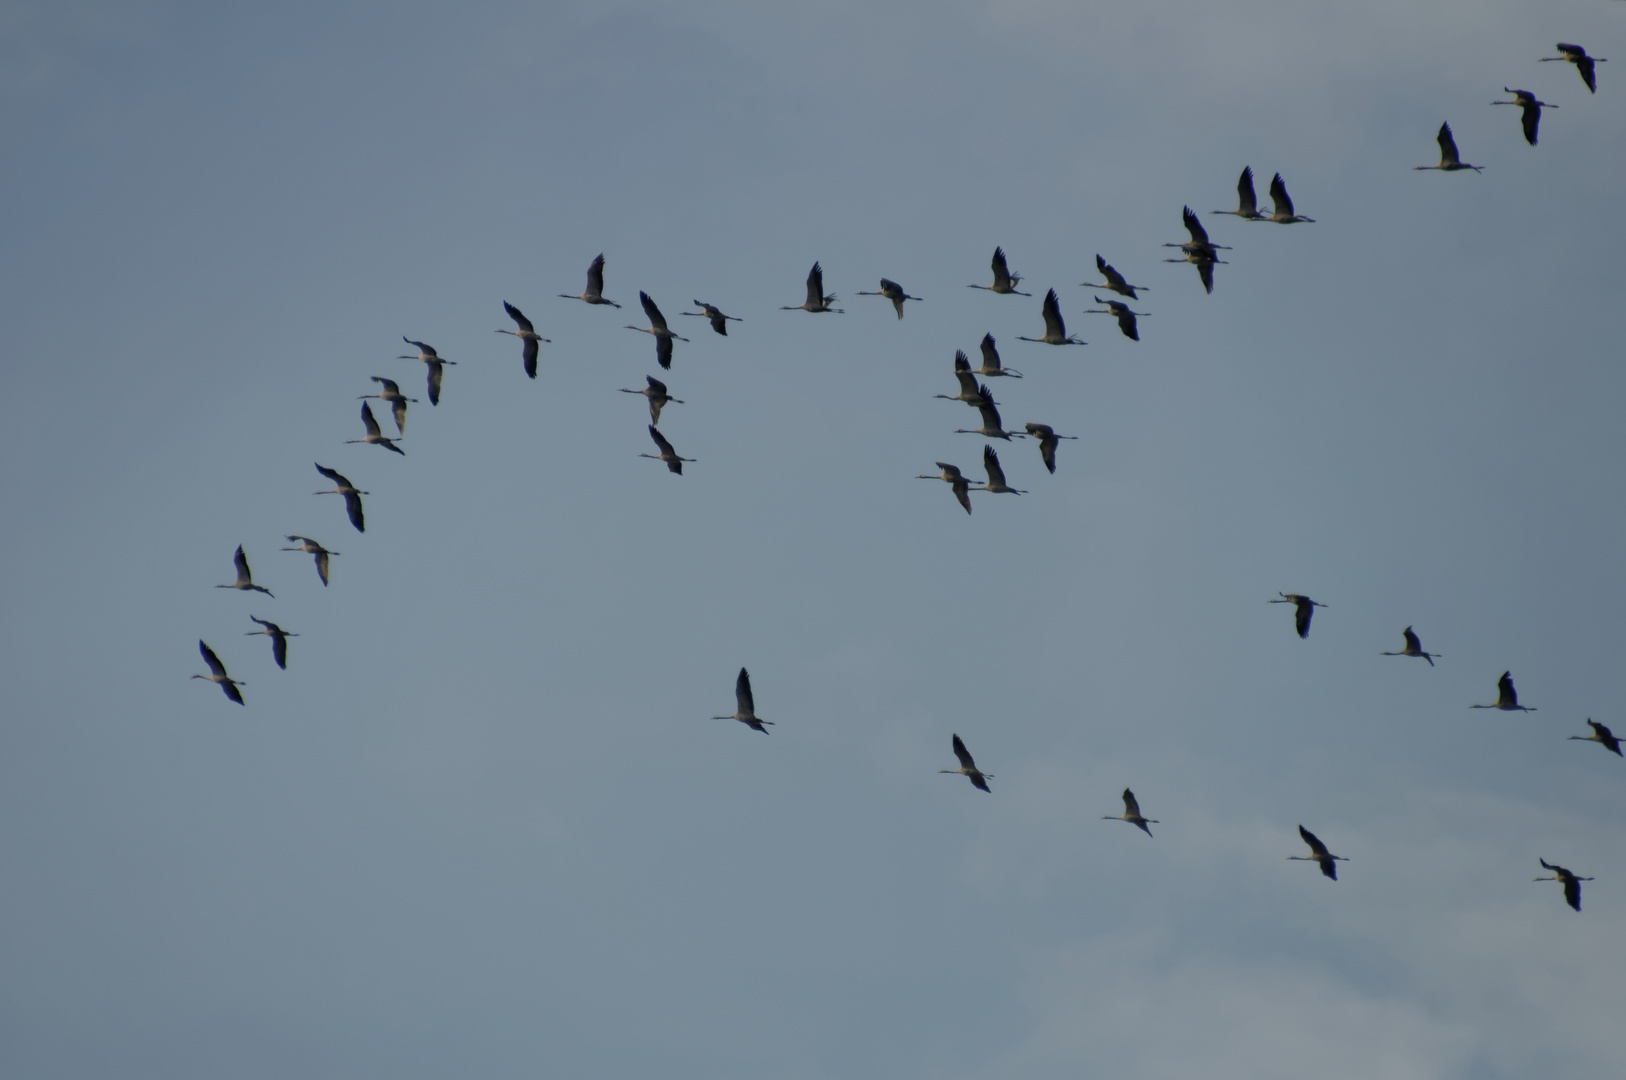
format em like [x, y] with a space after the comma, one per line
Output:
[1121, 312]
[1132, 814]
[970, 392]
[1199, 244]
[893, 292]
[1247, 203]
[217, 674]
[1048, 440]
[526, 333]
[311, 547]
[667, 454]
[1005, 282]
[657, 395]
[1507, 698]
[1303, 608]
[595, 285]
[1114, 281]
[1055, 329]
[1529, 111]
[996, 475]
[1450, 160]
[433, 359]
[951, 475]
[279, 640]
[1576, 55]
[1413, 648]
[352, 496]
[991, 367]
[719, 321]
[1572, 882]
[968, 768]
[657, 327]
[1283, 213]
[1205, 266]
[745, 710]
[1319, 854]
[374, 434]
[1602, 736]
[817, 302]
[389, 391]
[991, 428]
[245, 581]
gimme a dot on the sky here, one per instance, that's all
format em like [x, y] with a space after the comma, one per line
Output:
[484, 824]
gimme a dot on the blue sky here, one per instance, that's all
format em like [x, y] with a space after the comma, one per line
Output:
[482, 823]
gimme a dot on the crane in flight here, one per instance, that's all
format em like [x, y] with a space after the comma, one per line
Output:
[970, 392]
[968, 768]
[217, 674]
[1576, 55]
[1413, 648]
[390, 391]
[1303, 608]
[1047, 442]
[991, 366]
[1247, 203]
[657, 395]
[674, 463]
[1529, 111]
[429, 356]
[657, 327]
[816, 302]
[991, 428]
[1507, 698]
[719, 321]
[279, 640]
[1132, 814]
[1055, 330]
[1115, 281]
[1005, 282]
[1572, 882]
[595, 285]
[526, 333]
[1319, 854]
[956, 481]
[1602, 736]
[1450, 160]
[745, 710]
[311, 547]
[374, 434]
[893, 292]
[1283, 213]
[996, 475]
[352, 496]
[1121, 312]
[245, 580]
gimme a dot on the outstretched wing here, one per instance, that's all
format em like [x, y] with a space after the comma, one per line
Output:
[963, 754]
[1316, 845]
[742, 694]
[519, 317]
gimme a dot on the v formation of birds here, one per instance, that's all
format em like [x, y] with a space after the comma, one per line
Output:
[1199, 251]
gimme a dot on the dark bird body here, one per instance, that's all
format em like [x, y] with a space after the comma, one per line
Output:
[1303, 608]
[1319, 854]
[745, 709]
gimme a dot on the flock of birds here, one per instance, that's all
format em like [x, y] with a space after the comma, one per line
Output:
[1198, 251]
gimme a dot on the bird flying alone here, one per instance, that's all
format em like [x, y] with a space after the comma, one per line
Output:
[594, 293]
[1450, 161]
[657, 327]
[817, 302]
[1413, 648]
[217, 674]
[893, 292]
[1005, 282]
[745, 710]
[1303, 608]
[1572, 882]
[1132, 814]
[245, 581]
[719, 321]
[968, 768]
[1507, 698]
[526, 333]
[1319, 854]
[279, 640]
[311, 547]
[1583, 63]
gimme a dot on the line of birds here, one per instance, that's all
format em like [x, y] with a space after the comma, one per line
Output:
[1199, 250]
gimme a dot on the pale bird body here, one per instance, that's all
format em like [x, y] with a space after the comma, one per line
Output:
[1319, 854]
[1576, 55]
[352, 496]
[1303, 608]
[374, 434]
[1132, 814]
[1048, 440]
[391, 392]
[279, 640]
[1602, 736]
[1572, 882]
[1055, 328]
[968, 768]
[719, 321]
[951, 475]
[893, 292]
[526, 333]
[217, 674]
[1414, 647]
[1005, 282]
[311, 547]
[657, 395]
[817, 302]
[745, 709]
[1450, 160]
[594, 293]
[245, 580]
[1507, 698]
[1115, 281]
[434, 361]
[991, 365]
